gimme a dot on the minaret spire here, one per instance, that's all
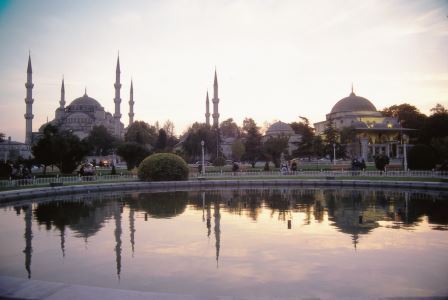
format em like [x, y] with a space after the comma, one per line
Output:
[131, 105]
[207, 110]
[215, 101]
[62, 101]
[29, 103]
[117, 99]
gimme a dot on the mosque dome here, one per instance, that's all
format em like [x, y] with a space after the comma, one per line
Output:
[279, 128]
[85, 101]
[353, 103]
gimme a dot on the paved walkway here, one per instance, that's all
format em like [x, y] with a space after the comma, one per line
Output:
[17, 288]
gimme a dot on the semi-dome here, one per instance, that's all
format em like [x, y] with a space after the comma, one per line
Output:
[353, 103]
[279, 128]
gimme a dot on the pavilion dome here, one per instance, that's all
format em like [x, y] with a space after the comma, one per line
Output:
[279, 128]
[353, 103]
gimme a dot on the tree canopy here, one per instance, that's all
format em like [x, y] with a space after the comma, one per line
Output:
[305, 145]
[141, 133]
[60, 148]
[100, 141]
[252, 137]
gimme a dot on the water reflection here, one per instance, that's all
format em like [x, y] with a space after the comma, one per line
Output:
[355, 213]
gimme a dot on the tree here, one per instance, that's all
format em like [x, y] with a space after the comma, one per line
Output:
[421, 157]
[381, 161]
[273, 147]
[100, 140]
[141, 133]
[132, 153]
[168, 126]
[162, 140]
[439, 109]
[332, 140]
[408, 115]
[252, 144]
[2, 137]
[69, 151]
[305, 146]
[436, 125]
[237, 150]
[60, 148]
[195, 134]
[229, 128]
[43, 149]
[318, 146]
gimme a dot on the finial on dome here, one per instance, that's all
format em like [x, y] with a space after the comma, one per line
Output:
[85, 92]
[352, 93]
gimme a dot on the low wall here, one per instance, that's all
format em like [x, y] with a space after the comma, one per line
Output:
[32, 193]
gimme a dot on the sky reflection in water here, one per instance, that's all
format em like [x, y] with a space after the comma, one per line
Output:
[235, 242]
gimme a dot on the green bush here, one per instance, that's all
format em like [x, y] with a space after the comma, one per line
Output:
[421, 157]
[163, 167]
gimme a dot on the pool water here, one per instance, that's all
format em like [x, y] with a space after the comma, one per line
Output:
[277, 242]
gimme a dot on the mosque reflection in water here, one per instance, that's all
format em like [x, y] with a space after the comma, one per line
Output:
[353, 212]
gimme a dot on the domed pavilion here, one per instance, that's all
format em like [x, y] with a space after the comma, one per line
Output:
[281, 129]
[375, 133]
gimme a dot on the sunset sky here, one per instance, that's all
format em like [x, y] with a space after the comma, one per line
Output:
[276, 60]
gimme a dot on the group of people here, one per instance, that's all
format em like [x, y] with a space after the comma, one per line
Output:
[20, 172]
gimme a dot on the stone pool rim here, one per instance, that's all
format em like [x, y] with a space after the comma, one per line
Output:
[6, 196]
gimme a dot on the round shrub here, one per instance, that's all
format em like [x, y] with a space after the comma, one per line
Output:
[163, 167]
[421, 157]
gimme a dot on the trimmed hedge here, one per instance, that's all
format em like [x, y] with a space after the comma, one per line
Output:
[163, 167]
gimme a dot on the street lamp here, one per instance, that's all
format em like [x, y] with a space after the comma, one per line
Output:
[405, 140]
[203, 161]
[334, 153]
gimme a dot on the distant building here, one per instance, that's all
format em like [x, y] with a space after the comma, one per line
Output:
[12, 150]
[82, 114]
[279, 129]
[375, 133]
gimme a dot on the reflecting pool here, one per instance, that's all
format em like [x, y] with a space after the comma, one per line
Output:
[279, 242]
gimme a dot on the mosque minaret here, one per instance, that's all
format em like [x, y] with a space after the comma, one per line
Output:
[29, 103]
[117, 99]
[131, 105]
[207, 110]
[215, 101]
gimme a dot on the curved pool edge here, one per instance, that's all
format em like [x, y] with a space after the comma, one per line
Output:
[6, 196]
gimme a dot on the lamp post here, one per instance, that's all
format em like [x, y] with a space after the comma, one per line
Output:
[405, 137]
[203, 161]
[334, 153]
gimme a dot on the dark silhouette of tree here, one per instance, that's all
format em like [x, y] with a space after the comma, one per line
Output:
[100, 141]
[381, 161]
[2, 137]
[200, 132]
[332, 137]
[238, 150]
[162, 141]
[305, 146]
[252, 136]
[273, 147]
[229, 128]
[422, 157]
[60, 148]
[408, 115]
[132, 153]
[141, 133]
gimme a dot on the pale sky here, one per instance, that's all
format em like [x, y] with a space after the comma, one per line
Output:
[276, 60]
